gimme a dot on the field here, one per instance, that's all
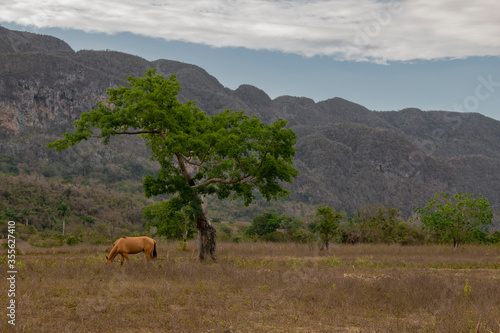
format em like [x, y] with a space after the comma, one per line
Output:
[260, 287]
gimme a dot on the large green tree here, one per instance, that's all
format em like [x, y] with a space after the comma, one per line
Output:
[460, 218]
[228, 154]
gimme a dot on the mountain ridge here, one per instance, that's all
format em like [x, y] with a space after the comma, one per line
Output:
[347, 155]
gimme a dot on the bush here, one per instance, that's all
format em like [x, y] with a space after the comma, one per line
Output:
[53, 241]
[72, 240]
[493, 238]
[237, 239]
[406, 234]
[275, 236]
[223, 237]
[25, 232]
[96, 238]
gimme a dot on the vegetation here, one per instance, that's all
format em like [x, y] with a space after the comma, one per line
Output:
[460, 218]
[92, 214]
[380, 224]
[326, 224]
[96, 215]
[227, 154]
[171, 219]
[260, 287]
[265, 224]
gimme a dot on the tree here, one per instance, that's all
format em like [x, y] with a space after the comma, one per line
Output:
[26, 213]
[327, 222]
[228, 154]
[62, 210]
[267, 225]
[264, 224]
[87, 219]
[460, 218]
[377, 224]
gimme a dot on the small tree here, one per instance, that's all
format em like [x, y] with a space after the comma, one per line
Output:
[327, 222]
[228, 154]
[264, 224]
[460, 218]
[377, 223]
[268, 224]
[62, 210]
[87, 219]
[26, 213]
[172, 219]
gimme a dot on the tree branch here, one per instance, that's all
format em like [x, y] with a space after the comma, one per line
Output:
[194, 160]
[182, 168]
[138, 132]
[241, 180]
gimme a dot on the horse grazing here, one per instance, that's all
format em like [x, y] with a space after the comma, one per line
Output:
[132, 245]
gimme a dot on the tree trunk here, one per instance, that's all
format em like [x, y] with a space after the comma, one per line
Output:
[455, 244]
[206, 235]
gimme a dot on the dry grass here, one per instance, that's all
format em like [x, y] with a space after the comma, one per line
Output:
[261, 287]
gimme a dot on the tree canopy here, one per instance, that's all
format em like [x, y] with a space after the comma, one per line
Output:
[326, 223]
[228, 154]
[460, 218]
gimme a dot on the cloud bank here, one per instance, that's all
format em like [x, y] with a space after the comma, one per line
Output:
[357, 30]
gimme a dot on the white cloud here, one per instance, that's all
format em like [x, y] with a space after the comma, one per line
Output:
[359, 30]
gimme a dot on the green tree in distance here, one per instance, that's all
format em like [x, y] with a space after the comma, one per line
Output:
[327, 222]
[264, 224]
[460, 218]
[228, 154]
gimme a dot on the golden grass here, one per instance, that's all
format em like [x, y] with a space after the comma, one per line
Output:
[261, 287]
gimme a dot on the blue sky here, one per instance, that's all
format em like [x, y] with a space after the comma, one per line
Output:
[385, 55]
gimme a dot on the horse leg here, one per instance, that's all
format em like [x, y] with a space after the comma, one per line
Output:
[126, 256]
[147, 254]
[122, 259]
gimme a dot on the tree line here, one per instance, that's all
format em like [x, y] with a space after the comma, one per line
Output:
[457, 219]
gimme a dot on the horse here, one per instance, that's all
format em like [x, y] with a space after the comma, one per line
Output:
[132, 245]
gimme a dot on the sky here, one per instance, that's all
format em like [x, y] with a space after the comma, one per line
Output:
[383, 54]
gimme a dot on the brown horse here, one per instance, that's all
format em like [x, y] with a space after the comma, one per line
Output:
[132, 245]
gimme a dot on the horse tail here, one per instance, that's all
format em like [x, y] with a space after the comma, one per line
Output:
[154, 254]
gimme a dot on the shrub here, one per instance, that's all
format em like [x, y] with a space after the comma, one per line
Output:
[275, 236]
[72, 240]
[96, 238]
[493, 238]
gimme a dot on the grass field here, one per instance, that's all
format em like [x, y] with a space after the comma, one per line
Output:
[260, 287]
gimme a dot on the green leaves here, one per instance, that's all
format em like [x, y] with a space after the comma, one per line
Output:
[225, 154]
[171, 218]
[327, 222]
[460, 218]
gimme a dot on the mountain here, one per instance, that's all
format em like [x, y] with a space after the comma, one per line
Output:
[347, 155]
